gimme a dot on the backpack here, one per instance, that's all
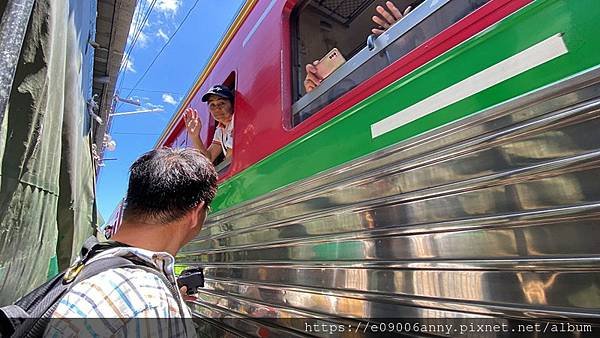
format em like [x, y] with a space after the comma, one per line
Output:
[30, 315]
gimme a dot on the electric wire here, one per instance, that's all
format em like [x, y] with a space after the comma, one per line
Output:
[137, 32]
[163, 48]
[151, 90]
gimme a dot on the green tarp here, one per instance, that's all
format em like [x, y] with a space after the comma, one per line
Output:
[46, 169]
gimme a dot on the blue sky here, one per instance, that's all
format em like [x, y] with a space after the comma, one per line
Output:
[165, 83]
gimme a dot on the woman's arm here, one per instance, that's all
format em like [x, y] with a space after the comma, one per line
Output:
[194, 126]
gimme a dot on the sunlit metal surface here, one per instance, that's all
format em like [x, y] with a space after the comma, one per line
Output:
[495, 215]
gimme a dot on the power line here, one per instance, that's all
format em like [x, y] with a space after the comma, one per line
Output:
[143, 134]
[138, 30]
[136, 35]
[151, 90]
[138, 16]
[163, 48]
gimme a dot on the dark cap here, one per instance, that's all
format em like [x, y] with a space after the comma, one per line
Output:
[218, 90]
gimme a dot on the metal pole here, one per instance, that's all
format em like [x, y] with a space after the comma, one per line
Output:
[12, 33]
[155, 110]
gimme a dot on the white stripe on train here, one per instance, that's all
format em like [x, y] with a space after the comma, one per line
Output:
[531, 57]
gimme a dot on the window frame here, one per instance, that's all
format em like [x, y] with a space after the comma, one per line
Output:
[378, 47]
[231, 82]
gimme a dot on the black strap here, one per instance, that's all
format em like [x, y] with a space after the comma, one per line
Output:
[100, 265]
[14, 311]
[26, 316]
[11, 316]
[38, 320]
[37, 294]
[88, 245]
[92, 247]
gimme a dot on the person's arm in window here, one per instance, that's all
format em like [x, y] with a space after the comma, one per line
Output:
[194, 126]
[385, 18]
[224, 135]
[228, 149]
[229, 152]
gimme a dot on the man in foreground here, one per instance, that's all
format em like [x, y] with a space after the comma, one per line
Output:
[167, 201]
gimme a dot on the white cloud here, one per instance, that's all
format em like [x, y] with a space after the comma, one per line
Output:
[153, 106]
[168, 9]
[162, 34]
[142, 40]
[137, 28]
[167, 6]
[129, 65]
[135, 24]
[168, 98]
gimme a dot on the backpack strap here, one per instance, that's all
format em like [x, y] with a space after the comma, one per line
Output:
[11, 316]
[34, 324]
[104, 264]
[88, 245]
[18, 319]
[40, 292]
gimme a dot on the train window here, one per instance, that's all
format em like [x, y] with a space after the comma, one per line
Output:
[320, 25]
[222, 162]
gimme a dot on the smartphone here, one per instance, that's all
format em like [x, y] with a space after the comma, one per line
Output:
[192, 278]
[329, 63]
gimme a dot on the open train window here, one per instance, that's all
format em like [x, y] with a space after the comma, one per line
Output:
[320, 25]
[221, 162]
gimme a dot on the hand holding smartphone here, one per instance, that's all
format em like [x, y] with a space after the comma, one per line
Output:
[329, 63]
[192, 279]
[319, 70]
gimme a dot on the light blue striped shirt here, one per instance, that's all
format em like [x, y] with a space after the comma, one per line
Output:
[123, 302]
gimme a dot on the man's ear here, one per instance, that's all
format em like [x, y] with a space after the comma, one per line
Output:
[197, 215]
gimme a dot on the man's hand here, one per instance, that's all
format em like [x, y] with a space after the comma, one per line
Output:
[184, 295]
[192, 122]
[387, 17]
[312, 80]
